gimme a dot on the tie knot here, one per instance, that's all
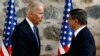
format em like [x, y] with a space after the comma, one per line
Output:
[34, 29]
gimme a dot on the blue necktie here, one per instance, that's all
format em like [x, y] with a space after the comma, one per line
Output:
[35, 33]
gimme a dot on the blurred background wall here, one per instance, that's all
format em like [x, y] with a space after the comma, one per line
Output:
[50, 27]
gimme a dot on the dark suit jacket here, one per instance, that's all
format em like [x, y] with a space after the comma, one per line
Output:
[24, 42]
[82, 45]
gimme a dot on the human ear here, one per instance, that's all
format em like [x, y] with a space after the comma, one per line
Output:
[76, 21]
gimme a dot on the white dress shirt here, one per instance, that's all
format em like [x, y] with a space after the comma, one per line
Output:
[30, 24]
[78, 30]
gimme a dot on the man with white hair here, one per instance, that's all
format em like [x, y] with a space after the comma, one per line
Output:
[25, 38]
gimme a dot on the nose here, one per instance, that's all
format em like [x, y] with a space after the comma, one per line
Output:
[42, 16]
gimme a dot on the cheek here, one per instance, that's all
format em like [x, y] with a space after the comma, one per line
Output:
[70, 24]
[40, 16]
[37, 17]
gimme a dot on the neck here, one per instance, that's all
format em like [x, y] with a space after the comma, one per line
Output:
[77, 27]
[30, 19]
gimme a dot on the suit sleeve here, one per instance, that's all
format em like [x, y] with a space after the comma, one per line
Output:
[18, 43]
[14, 42]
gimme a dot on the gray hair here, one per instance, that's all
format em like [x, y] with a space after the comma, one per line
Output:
[32, 5]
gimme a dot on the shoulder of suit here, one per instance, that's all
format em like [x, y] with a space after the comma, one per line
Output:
[20, 25]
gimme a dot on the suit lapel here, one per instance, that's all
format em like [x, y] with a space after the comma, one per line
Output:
[30, 33]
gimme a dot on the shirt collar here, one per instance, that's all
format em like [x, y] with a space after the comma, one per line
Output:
[78, 30]
[30, 23]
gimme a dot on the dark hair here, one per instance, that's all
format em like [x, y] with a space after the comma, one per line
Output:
[79, 14]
